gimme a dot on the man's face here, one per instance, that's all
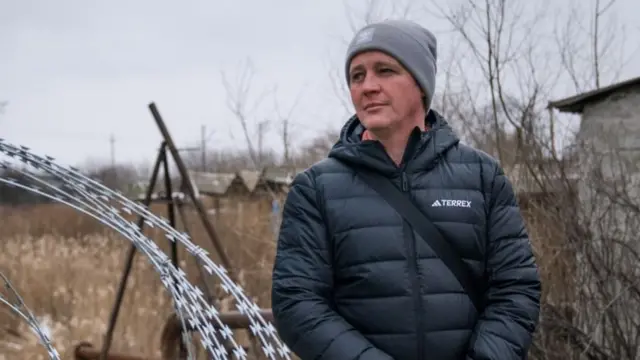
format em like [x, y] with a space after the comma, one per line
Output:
[383, 92]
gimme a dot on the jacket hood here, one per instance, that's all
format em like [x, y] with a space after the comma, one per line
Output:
[429, 147]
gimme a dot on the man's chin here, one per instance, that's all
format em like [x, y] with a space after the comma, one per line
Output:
[375, 122]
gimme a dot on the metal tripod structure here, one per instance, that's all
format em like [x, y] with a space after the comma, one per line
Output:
[167, 148]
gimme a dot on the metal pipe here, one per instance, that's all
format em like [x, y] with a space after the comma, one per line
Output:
[86, 351]
[236, 320]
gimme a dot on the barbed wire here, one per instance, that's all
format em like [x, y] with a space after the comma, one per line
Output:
[20, 308]
[92, 198]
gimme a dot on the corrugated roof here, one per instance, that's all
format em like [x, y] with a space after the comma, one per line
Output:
[250, 178]
[280, 175]
[218, 183]
[575, 104]
[212, 183]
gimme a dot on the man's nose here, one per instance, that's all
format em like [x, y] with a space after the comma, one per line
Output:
[371, 83]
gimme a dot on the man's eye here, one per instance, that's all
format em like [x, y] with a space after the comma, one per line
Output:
[356, 77]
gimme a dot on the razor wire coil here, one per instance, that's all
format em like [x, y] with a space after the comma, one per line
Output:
[19, 307]
[94, 199]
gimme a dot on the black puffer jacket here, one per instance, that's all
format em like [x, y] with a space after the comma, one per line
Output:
[352, 281]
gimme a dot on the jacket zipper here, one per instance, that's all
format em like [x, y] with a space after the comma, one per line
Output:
[410, 241]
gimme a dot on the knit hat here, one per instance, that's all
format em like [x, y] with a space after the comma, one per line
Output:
[409, 43]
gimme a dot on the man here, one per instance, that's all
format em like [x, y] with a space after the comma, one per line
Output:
[353, 279]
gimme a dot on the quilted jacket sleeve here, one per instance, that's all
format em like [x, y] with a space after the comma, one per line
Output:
[302, 285]
[508, 321]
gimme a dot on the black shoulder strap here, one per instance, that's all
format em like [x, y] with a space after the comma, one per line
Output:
[427, 230]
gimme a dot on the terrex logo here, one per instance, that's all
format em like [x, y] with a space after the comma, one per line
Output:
[452, 203]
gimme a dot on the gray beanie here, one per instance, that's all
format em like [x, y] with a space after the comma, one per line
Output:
[409, 43]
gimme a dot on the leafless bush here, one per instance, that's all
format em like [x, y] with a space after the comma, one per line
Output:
[580, 196]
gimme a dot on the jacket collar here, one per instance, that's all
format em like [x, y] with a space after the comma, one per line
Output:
[424, 148]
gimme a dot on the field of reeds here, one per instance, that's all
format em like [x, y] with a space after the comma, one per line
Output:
[67, 267]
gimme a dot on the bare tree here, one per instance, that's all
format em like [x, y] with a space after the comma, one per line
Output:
[498, 43]
[243, 106]
[122, 177]
[315, 149]
[375, 10]
[582, 209]
[593, 46]
[285, 122]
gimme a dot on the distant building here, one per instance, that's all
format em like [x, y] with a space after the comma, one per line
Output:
[609, 122]
[218, 190]
[608, 149]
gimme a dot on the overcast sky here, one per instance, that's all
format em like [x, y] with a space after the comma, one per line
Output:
[75, 72]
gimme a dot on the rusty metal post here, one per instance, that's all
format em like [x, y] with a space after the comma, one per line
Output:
[171, 212]
[86, 351]
[186, 180]
[233, 319]
[213, 235]
[236, 320]
[115, 311]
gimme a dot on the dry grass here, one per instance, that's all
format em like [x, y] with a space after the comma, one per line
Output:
[553, 256]
[70, 285]
[67, 268]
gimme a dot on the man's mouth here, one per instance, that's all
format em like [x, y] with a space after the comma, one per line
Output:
[374, 106]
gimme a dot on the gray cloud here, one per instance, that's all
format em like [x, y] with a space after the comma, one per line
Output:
[75, 71]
